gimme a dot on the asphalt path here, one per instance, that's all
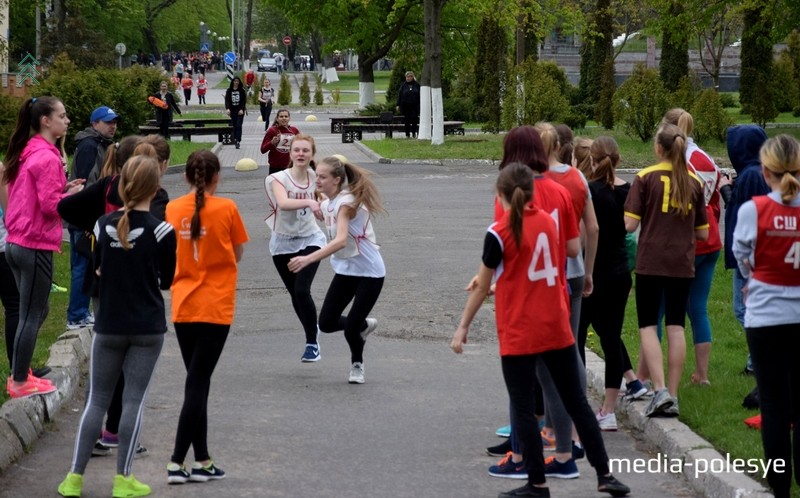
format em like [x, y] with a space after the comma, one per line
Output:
[279, 427]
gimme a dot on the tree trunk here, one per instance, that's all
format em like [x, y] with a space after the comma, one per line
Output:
[366, 82]
[248, 30]
[433, 73]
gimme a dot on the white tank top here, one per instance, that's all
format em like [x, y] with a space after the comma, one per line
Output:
[291, 227]
[361, 256]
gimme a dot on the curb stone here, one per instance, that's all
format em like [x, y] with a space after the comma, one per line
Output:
[23, 420]
[675, 440]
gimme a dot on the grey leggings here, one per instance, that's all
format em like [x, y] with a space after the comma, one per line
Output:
[135, 356]
[33, 271]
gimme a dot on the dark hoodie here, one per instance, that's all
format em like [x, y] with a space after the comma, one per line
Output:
[744, 143]
[89, 155]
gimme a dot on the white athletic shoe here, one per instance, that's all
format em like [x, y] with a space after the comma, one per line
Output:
[356, 373]
[372, 324]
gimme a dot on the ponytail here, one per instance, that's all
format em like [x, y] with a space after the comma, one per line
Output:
[549, 137]
[605, 154]
[781, 157]
[117, 155]
[672, 141]
[357, 181]
[138, 182]
[681, 119]
[515, 184]
[29, 118]
[582, 157]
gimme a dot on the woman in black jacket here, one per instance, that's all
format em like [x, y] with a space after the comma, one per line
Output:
[408, 104]
[236, 107]
[164, 116]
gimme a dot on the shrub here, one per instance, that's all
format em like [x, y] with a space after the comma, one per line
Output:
[784, 87]
[536, 91]
[335, 96]
[686, 92]
[305, 91]
[285, 91]
[640, 102]
[374, 109]
[319, 99]
[728, 100]
[710, 119]
[9, 108]
[125, 91]
[576, 118]
[457, 109]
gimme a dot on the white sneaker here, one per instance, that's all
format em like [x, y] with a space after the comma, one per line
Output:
[607, 421]
[356, 373]
[372, 324]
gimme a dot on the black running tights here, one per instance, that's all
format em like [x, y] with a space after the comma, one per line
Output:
[364, 292]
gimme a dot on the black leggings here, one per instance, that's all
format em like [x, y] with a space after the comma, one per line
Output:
[266, 112]
[299, 287]
[519, 372]
[9, 295]
[364, 292]
[201, 346]
[652, 290]
[604, 309]
[778, 377]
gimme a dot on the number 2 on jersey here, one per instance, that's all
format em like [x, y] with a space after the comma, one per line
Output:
[549, 271]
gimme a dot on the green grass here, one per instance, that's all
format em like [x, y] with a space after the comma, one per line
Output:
[180, 150]
[634, 152]
[348, 80]
[714, 412]
[54, 325]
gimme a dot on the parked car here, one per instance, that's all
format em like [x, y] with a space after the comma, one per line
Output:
[267, 64]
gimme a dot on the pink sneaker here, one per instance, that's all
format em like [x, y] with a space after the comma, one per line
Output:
[38, 380]
[29, 388]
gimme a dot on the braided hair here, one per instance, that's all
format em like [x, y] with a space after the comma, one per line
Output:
[201, 167]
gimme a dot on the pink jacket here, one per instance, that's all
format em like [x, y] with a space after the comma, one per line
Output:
[32, 220]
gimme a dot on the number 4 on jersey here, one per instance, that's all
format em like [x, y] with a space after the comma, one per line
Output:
[793, 256]
[549, 271]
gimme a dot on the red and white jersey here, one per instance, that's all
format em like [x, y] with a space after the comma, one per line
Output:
[776, 259]
[531, 312]
[360, 229]
[707, 171]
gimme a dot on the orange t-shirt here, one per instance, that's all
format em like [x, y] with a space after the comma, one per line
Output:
[187, 83]
[204, 288]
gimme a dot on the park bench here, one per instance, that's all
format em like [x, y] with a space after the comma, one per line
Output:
[197, 122]
[224, 133]
[353, 132]
[337, 123]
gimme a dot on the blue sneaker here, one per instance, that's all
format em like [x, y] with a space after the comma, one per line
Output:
[635, 390]
[311, 354]
[508, 469]
[504, 431]
[566, 470]
[577, 451]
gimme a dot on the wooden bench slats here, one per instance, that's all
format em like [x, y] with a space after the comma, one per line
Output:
[353, 132]
[224, 133]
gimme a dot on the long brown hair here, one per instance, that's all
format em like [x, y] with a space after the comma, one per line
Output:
[524, 145]
[29, 118]
[672, 141]
[605, 154]
[515, 184]
[138, 181]
[117, 154]
[358, 181]
[680, 118]
[781, 157]
[565, 139]
[582, 155]
[201, 167]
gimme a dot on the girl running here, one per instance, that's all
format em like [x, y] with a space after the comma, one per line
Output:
[767, 247]
[520, 251]
[667, 200]
[210, 244]
[278, 142]
[293, 207]
[36, 182]
[352, 199]
[134, 259]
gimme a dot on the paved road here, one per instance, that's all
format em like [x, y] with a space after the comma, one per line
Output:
[419, 425]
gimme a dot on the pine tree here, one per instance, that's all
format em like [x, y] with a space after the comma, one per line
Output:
[305, 91]
[319, 99]
[285, 91]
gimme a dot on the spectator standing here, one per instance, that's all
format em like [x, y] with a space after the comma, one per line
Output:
[164, 115]
[236, 107]
[89, 155]
[765, 246]
[265, 98]
[408, 104]
[36, 182]
[210, 244]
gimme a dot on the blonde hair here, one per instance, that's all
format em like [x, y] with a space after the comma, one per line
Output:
[358, 182]
[549, 137]
[680, 118]
[781, 157]
[672, 141]
[138, 181]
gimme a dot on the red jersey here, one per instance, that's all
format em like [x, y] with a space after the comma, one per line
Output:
[531, 312]
[278, 157]
[708, 173]
[777, 252]
[573, 181]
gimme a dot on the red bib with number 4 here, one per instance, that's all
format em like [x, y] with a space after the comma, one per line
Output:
[777, 251]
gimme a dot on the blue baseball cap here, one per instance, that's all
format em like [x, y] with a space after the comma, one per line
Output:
[103, 113]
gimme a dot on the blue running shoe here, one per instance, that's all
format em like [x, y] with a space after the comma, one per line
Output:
[311, 354]
[504, 431]
[508, 469]
[566, 470]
